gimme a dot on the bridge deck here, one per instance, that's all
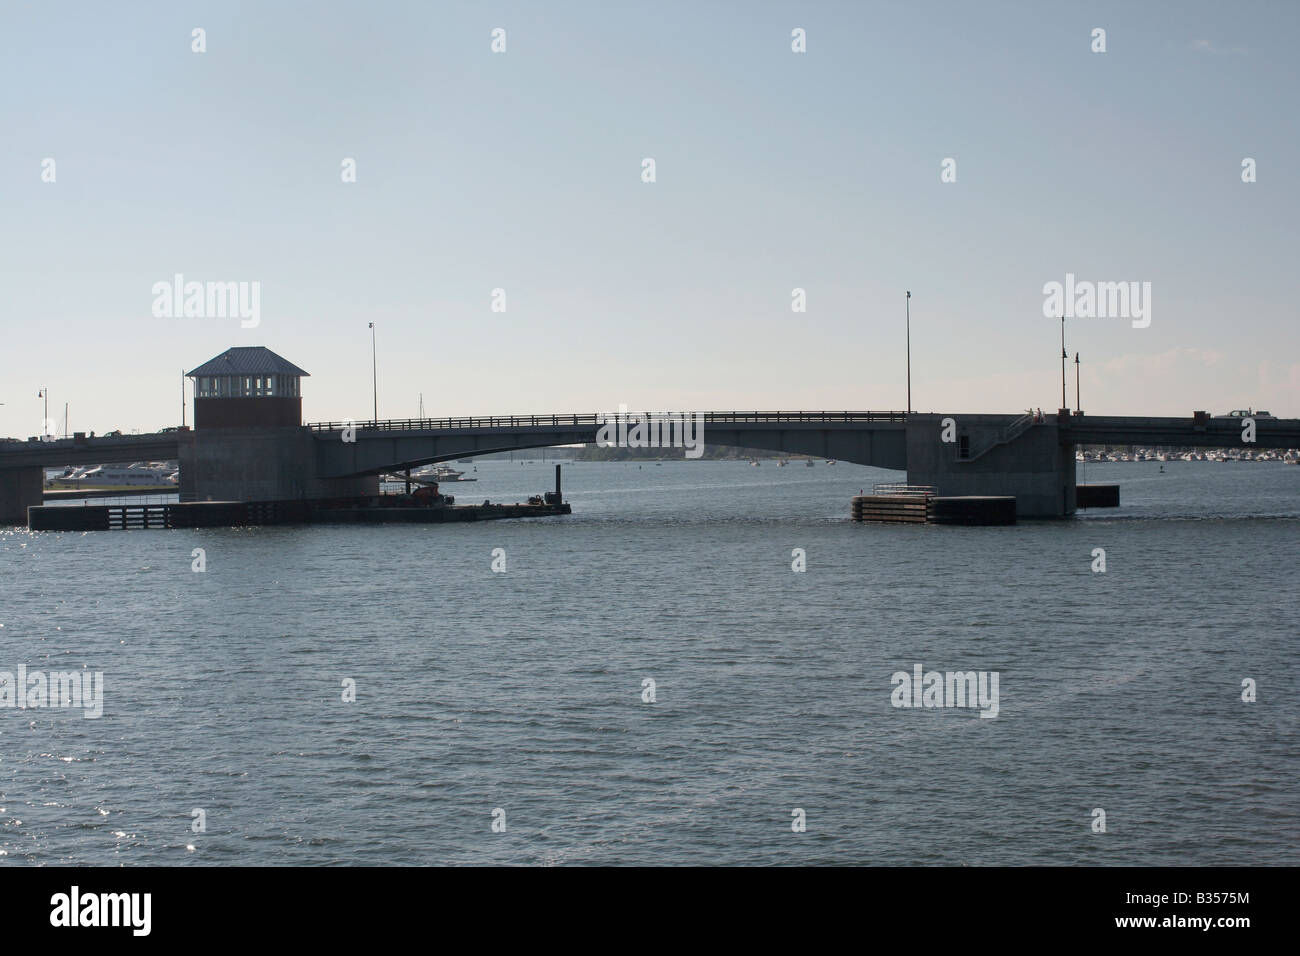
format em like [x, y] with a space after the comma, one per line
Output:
[1086, 429]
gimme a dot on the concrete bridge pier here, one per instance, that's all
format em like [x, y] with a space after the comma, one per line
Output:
[994, 455]
[259, 464]
[19, 489]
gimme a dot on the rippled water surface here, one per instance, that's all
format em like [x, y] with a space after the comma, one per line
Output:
[522, 690]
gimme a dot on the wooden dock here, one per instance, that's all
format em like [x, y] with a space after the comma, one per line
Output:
[906, 509]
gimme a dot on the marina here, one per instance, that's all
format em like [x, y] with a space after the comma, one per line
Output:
[1289, 456]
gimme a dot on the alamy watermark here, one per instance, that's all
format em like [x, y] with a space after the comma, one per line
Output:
[1098, 300]
[84, 689]
[623, 429]
[179, 299]
[923, 688]
[75, 908]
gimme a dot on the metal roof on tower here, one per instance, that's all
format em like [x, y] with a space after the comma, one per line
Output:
[249, 360]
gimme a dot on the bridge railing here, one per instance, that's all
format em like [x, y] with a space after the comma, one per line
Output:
[595, 419]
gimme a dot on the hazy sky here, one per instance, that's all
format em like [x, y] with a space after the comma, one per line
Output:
[774, 170]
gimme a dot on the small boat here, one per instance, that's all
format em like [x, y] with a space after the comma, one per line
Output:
[151, 474]
[809, 463]
[439, 473]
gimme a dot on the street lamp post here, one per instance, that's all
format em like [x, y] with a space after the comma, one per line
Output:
[374, 370]
[1063, 358]
[45, 424]
[1078, 408]
[908, 306]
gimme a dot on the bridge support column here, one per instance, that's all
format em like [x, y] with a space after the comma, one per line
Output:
[1033, 465]
[259, 464]
[20, 488]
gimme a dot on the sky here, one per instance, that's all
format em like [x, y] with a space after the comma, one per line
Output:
[775, 170]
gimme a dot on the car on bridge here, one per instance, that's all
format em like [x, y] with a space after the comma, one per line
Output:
[1244, 413]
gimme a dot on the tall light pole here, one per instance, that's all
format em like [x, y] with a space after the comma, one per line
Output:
[45, 425]
[1063, 358]
[374, 370]
[908, 306]
[1078, 408]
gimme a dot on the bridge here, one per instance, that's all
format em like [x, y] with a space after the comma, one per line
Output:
[124, 449]
[957, 453]
[861, 437]
[876, 438]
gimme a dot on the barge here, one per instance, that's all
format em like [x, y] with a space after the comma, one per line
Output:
[423, 506]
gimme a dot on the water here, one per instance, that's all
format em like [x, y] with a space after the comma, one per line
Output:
[522, 690]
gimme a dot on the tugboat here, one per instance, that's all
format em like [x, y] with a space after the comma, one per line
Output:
[427, 496]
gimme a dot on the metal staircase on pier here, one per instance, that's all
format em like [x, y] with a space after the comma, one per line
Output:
[992, 440]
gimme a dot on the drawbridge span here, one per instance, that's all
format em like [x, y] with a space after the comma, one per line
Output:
[347, 449]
